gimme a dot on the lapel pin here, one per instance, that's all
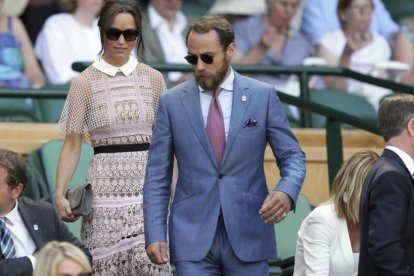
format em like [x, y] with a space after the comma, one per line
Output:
[35, 227]
[244, 98]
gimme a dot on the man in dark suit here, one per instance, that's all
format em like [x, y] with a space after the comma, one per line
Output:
[25, 226]
[387, 199]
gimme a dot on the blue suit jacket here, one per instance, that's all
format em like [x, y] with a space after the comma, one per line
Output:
[238, 186]
[387, 219]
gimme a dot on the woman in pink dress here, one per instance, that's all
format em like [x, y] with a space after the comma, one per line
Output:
[113, 105]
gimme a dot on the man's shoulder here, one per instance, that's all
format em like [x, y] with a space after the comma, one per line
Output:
[35, 206]
[251, 82]
[250, 21]
[189, 86]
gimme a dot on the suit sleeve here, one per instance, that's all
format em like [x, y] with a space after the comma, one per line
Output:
[387, 209]
[16, 267]
[290, 158]
[158, 176]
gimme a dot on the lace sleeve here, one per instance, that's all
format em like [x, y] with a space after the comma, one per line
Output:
[158, 83]
[74, 115]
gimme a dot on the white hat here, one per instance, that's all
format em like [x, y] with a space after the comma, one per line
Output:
[14, 7]
[238, 7]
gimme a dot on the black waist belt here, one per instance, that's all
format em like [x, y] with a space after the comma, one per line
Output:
[121, 148]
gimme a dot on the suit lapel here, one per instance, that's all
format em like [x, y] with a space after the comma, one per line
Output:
[31, 223]
[241, 100]
[191, 103]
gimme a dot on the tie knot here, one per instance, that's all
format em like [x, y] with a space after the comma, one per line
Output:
[216, 92]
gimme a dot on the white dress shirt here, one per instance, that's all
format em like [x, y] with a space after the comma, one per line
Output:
[23, 242]
[225, 99]
[172, 40]
[405, 157]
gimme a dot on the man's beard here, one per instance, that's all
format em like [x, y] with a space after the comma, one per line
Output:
[213, 80]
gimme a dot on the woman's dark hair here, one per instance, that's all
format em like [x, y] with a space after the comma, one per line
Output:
[115, 7]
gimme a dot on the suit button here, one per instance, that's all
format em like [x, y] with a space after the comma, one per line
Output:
[220, 176]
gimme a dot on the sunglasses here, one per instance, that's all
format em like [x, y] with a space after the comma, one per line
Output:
[193, 59]
[128, 34]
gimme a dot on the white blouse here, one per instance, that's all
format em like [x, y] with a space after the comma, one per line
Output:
[324, 246]
[63, 41]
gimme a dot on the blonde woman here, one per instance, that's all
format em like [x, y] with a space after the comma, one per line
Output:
[61, 258]
[328, 239]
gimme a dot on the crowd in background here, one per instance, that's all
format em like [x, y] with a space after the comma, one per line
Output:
[356, 34]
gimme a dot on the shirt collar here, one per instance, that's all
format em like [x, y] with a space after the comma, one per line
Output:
[405, 157]
[227, 84]
[156, 19]
[111, 70]
[13, 216]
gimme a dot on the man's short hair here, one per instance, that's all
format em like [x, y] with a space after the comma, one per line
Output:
[15, 167]
[394, 114]
[214, 22]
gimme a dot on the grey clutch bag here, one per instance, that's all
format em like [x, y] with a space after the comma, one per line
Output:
[80, 199]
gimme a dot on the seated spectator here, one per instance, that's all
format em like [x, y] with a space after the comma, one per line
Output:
[269, 39]
[319, 17]
[234, 10]
[61, 258]
[18, 65]
[36, 14]
[356, 47]
[164, 27]
[27, 225]
[69, 37]
[328, 239]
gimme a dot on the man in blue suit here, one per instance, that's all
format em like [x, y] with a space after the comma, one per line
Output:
[222, 215]
[387, 198]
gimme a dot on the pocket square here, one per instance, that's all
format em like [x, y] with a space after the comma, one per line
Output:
[250, 123]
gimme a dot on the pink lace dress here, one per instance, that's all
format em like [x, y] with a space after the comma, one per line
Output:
[116, 110]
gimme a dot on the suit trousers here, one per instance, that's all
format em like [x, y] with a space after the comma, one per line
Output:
[221, 260]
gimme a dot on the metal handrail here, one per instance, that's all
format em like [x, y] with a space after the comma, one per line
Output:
[334, 117]
[302, 72]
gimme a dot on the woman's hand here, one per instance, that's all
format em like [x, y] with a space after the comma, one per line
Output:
[63, 210]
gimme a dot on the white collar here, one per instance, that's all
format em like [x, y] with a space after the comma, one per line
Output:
[405, 157]
[111, 70]
[13, 216]
[157, 20]
[227, 84]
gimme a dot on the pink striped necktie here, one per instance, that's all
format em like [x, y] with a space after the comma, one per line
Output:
[215, 126]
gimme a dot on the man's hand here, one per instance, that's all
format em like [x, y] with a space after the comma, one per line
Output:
[157, 252]
[275, 207]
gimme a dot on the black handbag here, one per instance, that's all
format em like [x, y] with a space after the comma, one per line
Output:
[80, 199]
